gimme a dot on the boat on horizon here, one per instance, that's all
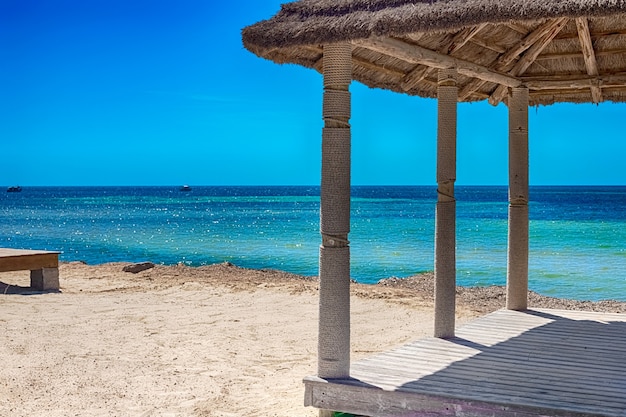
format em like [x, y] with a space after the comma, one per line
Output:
[14, 189]
[185, 188]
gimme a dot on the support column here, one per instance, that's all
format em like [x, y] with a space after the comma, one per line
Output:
[517, 264]
[445, 216]
[334, 308]
[45, 279]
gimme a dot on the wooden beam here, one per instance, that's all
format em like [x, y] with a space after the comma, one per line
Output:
[419, 55]
[533, 52]
[528, 41]
[527, 59]
[461, 38]
[599, 34]
[448, 48]
[504, 62]
[582, 25]
[579, 55]
[549, 96]
[574, 82]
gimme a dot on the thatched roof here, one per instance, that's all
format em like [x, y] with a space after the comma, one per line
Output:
[563, 50]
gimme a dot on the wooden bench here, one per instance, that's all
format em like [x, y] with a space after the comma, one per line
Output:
[43, 266]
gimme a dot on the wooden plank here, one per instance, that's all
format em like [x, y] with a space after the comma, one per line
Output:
[5, 252]
[360, 398]
[561, 378]
[577, 362]
[417, 55]
[19, 260]
[494, 390]
[524, 385]
[352, 397]
[582, 25]
[488, 363]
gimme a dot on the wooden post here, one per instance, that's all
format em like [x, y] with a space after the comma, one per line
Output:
[334, 313]
[517, 264]
[445, 217]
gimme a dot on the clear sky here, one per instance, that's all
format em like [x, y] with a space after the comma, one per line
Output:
[162, 92]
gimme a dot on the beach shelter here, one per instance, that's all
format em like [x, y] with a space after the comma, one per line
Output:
[515, 362]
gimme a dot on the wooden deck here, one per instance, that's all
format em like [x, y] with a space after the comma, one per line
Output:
[505, 364]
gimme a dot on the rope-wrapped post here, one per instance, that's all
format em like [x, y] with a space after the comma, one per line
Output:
[445, 216]
[334, 308]
[517, 264]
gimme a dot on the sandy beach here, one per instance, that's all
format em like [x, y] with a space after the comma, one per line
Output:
[180, 341]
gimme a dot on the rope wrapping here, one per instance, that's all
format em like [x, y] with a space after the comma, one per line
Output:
[445, 215]
[337, 65]
[517, 252]
[334, 313]
[447, 97]
[445, 269]
[337, 107]
[518, 146]
[334, 308]
[335, 190]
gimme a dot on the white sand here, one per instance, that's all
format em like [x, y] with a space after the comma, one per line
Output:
[178, 341]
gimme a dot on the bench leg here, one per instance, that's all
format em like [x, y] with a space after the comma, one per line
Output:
[44, 279]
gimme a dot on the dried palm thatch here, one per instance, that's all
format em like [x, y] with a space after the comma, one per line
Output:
[562, 50]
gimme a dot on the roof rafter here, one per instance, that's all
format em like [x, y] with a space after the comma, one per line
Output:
[448, 48]
[503, 63]
[488, 45]
[419, 55]
[574, 82]
[582, 25]
[602, 34]
[565, 55]
[528, 58]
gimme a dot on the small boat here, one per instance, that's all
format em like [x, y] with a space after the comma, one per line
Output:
[14, 189]
[185, 188]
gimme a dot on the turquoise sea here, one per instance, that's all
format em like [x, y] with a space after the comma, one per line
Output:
[577, 234]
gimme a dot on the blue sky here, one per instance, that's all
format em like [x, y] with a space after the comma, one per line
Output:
[137, 92]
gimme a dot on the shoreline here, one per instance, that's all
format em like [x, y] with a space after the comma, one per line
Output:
[211, 341]
[483, 299]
